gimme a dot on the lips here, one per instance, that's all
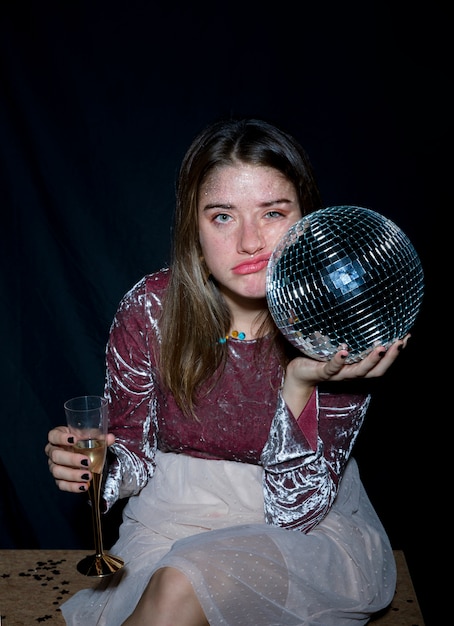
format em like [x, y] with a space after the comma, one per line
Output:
[252, 266]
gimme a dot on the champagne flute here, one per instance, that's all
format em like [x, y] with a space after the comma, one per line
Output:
[87, 419]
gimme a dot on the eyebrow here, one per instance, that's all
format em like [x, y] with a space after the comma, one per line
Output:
[270, 203]
[207, 207]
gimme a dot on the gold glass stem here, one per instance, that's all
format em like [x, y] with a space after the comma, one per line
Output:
[94, 489]
[99, 564]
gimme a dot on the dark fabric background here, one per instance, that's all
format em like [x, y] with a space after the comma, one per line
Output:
[99, 101]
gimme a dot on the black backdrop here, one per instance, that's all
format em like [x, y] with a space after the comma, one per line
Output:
[99, 101]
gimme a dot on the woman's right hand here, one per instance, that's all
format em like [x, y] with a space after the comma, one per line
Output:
[69, 468]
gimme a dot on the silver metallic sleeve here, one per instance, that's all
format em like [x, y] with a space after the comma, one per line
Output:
[300, 483]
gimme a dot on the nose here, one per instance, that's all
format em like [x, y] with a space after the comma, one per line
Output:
[251, 239]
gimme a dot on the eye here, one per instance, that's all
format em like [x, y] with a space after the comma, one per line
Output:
[222, 218]
[274, 214]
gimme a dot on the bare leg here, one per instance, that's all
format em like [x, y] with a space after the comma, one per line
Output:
[168, 600]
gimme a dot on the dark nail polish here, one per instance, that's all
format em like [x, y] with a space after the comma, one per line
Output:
[85, 476]
[82, 488]
[84, 462]
[400, 347]
[70, 439]
[382, 353]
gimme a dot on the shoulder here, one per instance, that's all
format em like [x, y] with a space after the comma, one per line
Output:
[152, 285]
[148, 291]
[157, 281]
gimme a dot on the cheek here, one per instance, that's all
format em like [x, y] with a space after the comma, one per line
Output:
[280, 231]
[204, 243]
[213, 243]
[216, 254]
[211, 249]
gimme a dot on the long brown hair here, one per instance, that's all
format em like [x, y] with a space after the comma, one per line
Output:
[194, 314]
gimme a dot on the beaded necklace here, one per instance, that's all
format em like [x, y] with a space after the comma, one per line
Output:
[235, 334]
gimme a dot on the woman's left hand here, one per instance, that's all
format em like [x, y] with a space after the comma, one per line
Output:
[375, 364]
[304, 374]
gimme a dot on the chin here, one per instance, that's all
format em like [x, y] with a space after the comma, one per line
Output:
[254, 294]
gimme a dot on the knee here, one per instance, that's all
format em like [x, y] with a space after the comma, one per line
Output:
[168, 599]
[170, 582]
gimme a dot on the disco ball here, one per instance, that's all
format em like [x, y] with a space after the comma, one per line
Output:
[344, 275]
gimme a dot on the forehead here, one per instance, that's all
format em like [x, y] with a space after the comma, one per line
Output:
[243, 178]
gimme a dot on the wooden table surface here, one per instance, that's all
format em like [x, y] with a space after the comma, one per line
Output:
[34, 583]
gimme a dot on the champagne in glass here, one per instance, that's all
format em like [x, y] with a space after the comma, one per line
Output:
[87, 419]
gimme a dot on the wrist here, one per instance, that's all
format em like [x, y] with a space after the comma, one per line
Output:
[296, 395]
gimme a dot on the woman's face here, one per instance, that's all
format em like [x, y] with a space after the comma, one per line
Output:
[243, 211]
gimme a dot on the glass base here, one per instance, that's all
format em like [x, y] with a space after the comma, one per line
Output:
[99, 565]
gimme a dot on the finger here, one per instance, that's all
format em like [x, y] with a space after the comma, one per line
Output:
[70, 479]
[59, 455]
[385, 358]
[72, 486]
[339, 370]
[405, 339]
[59, 436]
[335, 364]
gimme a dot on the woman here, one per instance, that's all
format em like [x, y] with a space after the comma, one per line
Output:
[245, 505]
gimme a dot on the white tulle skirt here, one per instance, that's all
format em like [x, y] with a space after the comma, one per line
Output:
[205, 518]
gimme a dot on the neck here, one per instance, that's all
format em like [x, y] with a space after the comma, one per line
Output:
[246, 314]
[249, 323]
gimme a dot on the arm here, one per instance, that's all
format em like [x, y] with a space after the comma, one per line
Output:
[130, 389]
[304, 458]
[133, 403]
[302, 472]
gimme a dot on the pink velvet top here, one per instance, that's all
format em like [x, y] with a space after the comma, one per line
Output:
[243, 419]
